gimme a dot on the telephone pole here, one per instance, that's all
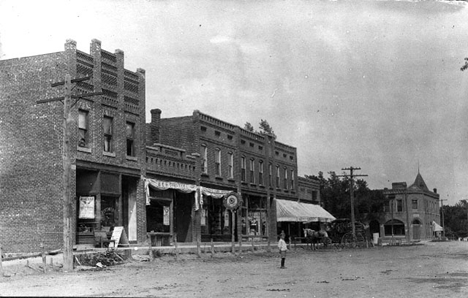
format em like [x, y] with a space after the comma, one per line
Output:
[351, 192]
[442, 213]
[67, 163]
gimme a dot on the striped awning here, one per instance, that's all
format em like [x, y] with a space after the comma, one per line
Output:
[301, 212]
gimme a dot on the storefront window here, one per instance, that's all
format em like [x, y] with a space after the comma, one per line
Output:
[257, 216]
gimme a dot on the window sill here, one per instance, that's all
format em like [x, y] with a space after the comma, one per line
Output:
[219, 177]
[261, 186]
[204, 174]
[231, 180]
[84, 149]
[132, 158]
[110, 154]
[253, 184]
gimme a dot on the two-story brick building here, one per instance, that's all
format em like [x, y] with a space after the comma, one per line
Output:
[107, 149]
[410, 212]
[232, 159]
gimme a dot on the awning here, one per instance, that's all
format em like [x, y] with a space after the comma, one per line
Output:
[301, 212]
[183, 187]
[436, 227]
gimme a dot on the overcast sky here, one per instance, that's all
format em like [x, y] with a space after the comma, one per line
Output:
[369, 84]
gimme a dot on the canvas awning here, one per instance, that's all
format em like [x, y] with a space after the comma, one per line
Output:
[436, 227]
[301, 212]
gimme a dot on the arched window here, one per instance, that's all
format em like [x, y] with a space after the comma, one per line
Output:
[243, 166]
[252, 170]
[260, 172]
[394, 227]
[231, 165]
[204, 158]
[218, 162]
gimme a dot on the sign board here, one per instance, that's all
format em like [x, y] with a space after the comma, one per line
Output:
[232, 201]
[86, 208]
[166, 215]
[118, 237]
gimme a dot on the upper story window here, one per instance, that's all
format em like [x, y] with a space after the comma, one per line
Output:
[252, 170]
[260, 172]
[270, 175]
[399, 205]
[292, 180]
[277, 176]
[285, 180]
[243, 165]
[218, 161]
[83, 140]
[130, 130]
[231, 165]
[204, 158]
[108, 124]
[415, 204]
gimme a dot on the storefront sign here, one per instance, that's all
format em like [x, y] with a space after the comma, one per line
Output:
[164, 185]
[166, 216]
[86, 208]
[232, 201]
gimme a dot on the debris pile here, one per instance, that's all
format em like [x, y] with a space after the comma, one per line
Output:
[101, 260]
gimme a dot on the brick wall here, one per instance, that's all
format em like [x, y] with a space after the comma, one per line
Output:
[31, 153]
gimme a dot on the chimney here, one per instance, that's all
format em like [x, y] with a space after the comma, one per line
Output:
[435, 190]
[155, 125]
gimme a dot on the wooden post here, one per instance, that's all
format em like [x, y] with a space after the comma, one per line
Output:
[176, 247]
[44, 259]
[1, 266]
[233, 228]
[212, 248]
[150, 252]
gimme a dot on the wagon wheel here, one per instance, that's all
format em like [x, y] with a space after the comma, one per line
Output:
[349, 240]
[326, 241]
[360, 239]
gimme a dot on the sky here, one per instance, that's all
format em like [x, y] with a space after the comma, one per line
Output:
[369, 84]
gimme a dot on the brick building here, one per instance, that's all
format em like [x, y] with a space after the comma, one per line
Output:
[232, 159]
[107, 154]
[410, 213]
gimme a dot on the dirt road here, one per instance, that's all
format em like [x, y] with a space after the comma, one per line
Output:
[430, 270]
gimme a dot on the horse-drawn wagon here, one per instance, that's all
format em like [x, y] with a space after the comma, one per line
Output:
[337, 232]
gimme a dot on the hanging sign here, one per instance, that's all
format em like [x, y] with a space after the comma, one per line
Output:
[232, 201]
[166, 216]
[86, 208]
[226, 218]
[203, 217]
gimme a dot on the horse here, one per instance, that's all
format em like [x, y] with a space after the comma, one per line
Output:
[315, 237]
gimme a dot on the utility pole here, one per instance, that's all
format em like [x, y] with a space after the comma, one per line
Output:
[442, 213]
[351, 193]
[67, 163]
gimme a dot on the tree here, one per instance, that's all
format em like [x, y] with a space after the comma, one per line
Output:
[455, 219]
[266, 128]
[248, 126]
[335, 194]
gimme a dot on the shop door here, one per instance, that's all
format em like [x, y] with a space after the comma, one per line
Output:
[182, 216]
[416, 232]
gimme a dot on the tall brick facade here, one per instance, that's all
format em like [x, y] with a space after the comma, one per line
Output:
[31, 136]
[233, 159]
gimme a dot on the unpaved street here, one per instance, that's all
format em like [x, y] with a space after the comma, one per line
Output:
[429, 270]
